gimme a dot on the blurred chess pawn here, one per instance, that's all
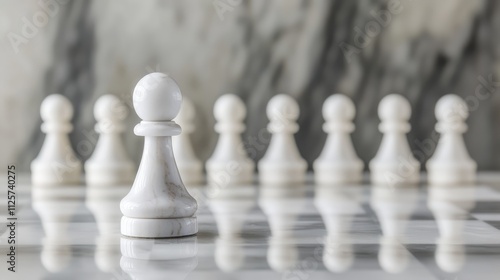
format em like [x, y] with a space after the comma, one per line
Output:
[190, 167]
[229, 207]
[282, 163]
[394, 207]
[394, 163]
[104, 204]
[56, 164]
[338, 162]
[109, 164]
[55, 207]
[337, 206]
[451, 209]
[172, 258]
[451, 163]
[229, 165]
[282, 206]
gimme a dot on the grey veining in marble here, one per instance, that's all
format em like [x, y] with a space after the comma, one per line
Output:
[255, 49]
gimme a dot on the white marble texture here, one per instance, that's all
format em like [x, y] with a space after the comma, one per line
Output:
[256, 49]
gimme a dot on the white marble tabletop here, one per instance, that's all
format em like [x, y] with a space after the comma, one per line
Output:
[263, 232]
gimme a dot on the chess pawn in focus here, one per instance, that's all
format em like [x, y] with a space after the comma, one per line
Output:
[158, 205]
[282, 164]
[109, 164]
[394, 163]
[56, 164]
[229, 164]
[393, 207]
[451, 163]
[190, 167]
[451, 210]
[338, 162]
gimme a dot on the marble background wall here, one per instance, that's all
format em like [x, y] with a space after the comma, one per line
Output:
[309, 49]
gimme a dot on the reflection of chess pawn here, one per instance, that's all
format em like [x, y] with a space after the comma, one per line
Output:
[337, 206]
[451, 210]
[394, 163]
[282, 164]
[393, 207]
[451, 163]
[190, 167]
[109, 164]
[229, 164]
[104, 203]
[282, 206]
[158, 258]
[338, 162]
[55, 208]
[229, 207]
[56, 164]
[158, 205]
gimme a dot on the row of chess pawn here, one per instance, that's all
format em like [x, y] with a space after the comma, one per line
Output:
[282, 163]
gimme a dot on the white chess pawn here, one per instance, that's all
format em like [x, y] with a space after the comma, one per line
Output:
[56, 164]
[451, 211]
[282, 164]
[229, 164]
[451, 163]
[109, 164]
[394, 163]
[158, 205]
[338, 162]
[190, 167]
[393, 207]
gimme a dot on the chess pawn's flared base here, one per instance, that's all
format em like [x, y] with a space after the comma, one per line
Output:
[109, 174]
[230, 173]
[282, 174]
[447, 175]
[55, 173]
[159, 228]
[395, 175]
[325, 173]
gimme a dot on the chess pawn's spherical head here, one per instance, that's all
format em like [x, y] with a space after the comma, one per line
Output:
[451, 108]
[394, 107]
[229, 107]
[57, 108]
[339, 107]
[282, 108]
[157, 97]
[109, 107]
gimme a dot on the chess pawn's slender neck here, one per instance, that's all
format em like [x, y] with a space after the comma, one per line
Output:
[229, 138]
[56, 145]
[451, 146]
[338, 145]
[283, 146]
[394, 143]
[109, 147]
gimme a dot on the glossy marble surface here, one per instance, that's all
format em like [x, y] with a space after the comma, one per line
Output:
[265, 232]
